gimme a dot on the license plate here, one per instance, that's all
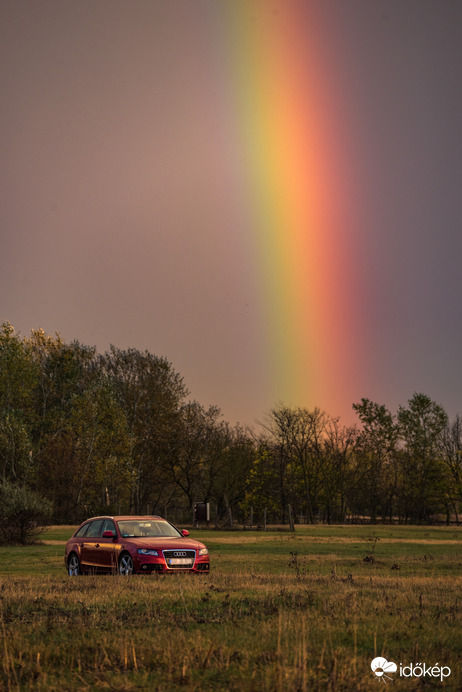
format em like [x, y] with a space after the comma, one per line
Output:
[180, 561]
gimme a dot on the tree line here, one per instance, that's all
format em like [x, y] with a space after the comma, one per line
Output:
[87, 433]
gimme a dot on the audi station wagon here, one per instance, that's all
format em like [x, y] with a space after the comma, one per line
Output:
[134, 545]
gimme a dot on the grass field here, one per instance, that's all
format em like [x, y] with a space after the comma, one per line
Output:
[278, 611]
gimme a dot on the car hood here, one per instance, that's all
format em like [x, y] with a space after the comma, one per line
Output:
[164, 543]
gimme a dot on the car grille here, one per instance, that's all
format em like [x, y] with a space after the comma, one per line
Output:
[179, 559]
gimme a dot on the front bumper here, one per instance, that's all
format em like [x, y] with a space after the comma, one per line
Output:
[163, 564]
[159, 568]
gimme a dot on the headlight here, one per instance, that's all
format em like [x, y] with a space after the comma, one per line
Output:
[147, 551]
[203, 551]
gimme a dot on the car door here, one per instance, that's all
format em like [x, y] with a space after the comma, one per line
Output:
[89, 554]
[108, 546]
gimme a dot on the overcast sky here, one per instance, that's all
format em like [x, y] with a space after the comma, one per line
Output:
[122, 217]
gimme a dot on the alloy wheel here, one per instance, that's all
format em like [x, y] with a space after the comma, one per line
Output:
[126, 565]
[73, 566]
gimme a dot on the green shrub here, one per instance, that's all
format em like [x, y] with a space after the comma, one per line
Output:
[23, 513]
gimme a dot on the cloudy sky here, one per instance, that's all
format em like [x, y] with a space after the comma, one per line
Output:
[126, 205]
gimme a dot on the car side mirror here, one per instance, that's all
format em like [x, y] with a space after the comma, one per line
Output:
[184, 533]
[108, 534]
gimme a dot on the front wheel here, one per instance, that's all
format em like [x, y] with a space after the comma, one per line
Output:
[73, 566]
[125, 565]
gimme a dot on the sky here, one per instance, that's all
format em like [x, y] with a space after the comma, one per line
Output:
[266, 193]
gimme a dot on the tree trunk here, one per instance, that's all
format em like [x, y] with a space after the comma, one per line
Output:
[291, 518]
[230, 514]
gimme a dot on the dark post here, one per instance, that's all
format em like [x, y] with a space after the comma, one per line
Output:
[201, 513]
[291, 519]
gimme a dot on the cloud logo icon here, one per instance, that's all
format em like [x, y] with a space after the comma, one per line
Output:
[380, 667]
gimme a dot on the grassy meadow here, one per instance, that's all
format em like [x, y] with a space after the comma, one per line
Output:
[279, 611]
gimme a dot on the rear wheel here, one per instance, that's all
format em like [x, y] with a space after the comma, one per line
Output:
[73, 565]
[125, 565]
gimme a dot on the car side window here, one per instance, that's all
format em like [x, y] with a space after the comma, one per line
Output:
[82, 531]
[95, 529]
[109, 525]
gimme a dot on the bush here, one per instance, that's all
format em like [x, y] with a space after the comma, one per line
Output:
[23, 513]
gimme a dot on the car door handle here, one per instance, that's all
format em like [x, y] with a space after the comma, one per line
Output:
[97, 545]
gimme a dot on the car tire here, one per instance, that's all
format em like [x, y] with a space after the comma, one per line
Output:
[125, 565]
[73, 565]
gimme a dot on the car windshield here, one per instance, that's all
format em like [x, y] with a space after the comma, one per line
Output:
[147, 527]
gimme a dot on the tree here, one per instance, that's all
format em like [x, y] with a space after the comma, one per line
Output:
[452, 458]
[421, 428]
[196, 441]
[102, 470]
[341, 475]
[230, 468]
[376, 452]
[303, 445]
[281, 426]
[18, 381]
[66, 372]
[301, 432]
[22, 513]
[209, 460]
[261, 486]
[150, 393]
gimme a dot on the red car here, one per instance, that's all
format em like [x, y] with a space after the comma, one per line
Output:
[131, 545]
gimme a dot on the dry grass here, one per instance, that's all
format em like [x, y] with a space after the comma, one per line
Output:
[268, 621]
[240, 632]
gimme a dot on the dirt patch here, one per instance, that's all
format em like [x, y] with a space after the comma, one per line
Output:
[53, 542]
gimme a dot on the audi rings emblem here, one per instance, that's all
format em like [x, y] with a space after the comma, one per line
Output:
[179, 553]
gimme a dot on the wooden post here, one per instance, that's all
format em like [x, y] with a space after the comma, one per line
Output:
[264, 519]
[230, 514]
[291, 519]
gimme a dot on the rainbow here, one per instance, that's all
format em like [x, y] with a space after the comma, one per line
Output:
[288, 110]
